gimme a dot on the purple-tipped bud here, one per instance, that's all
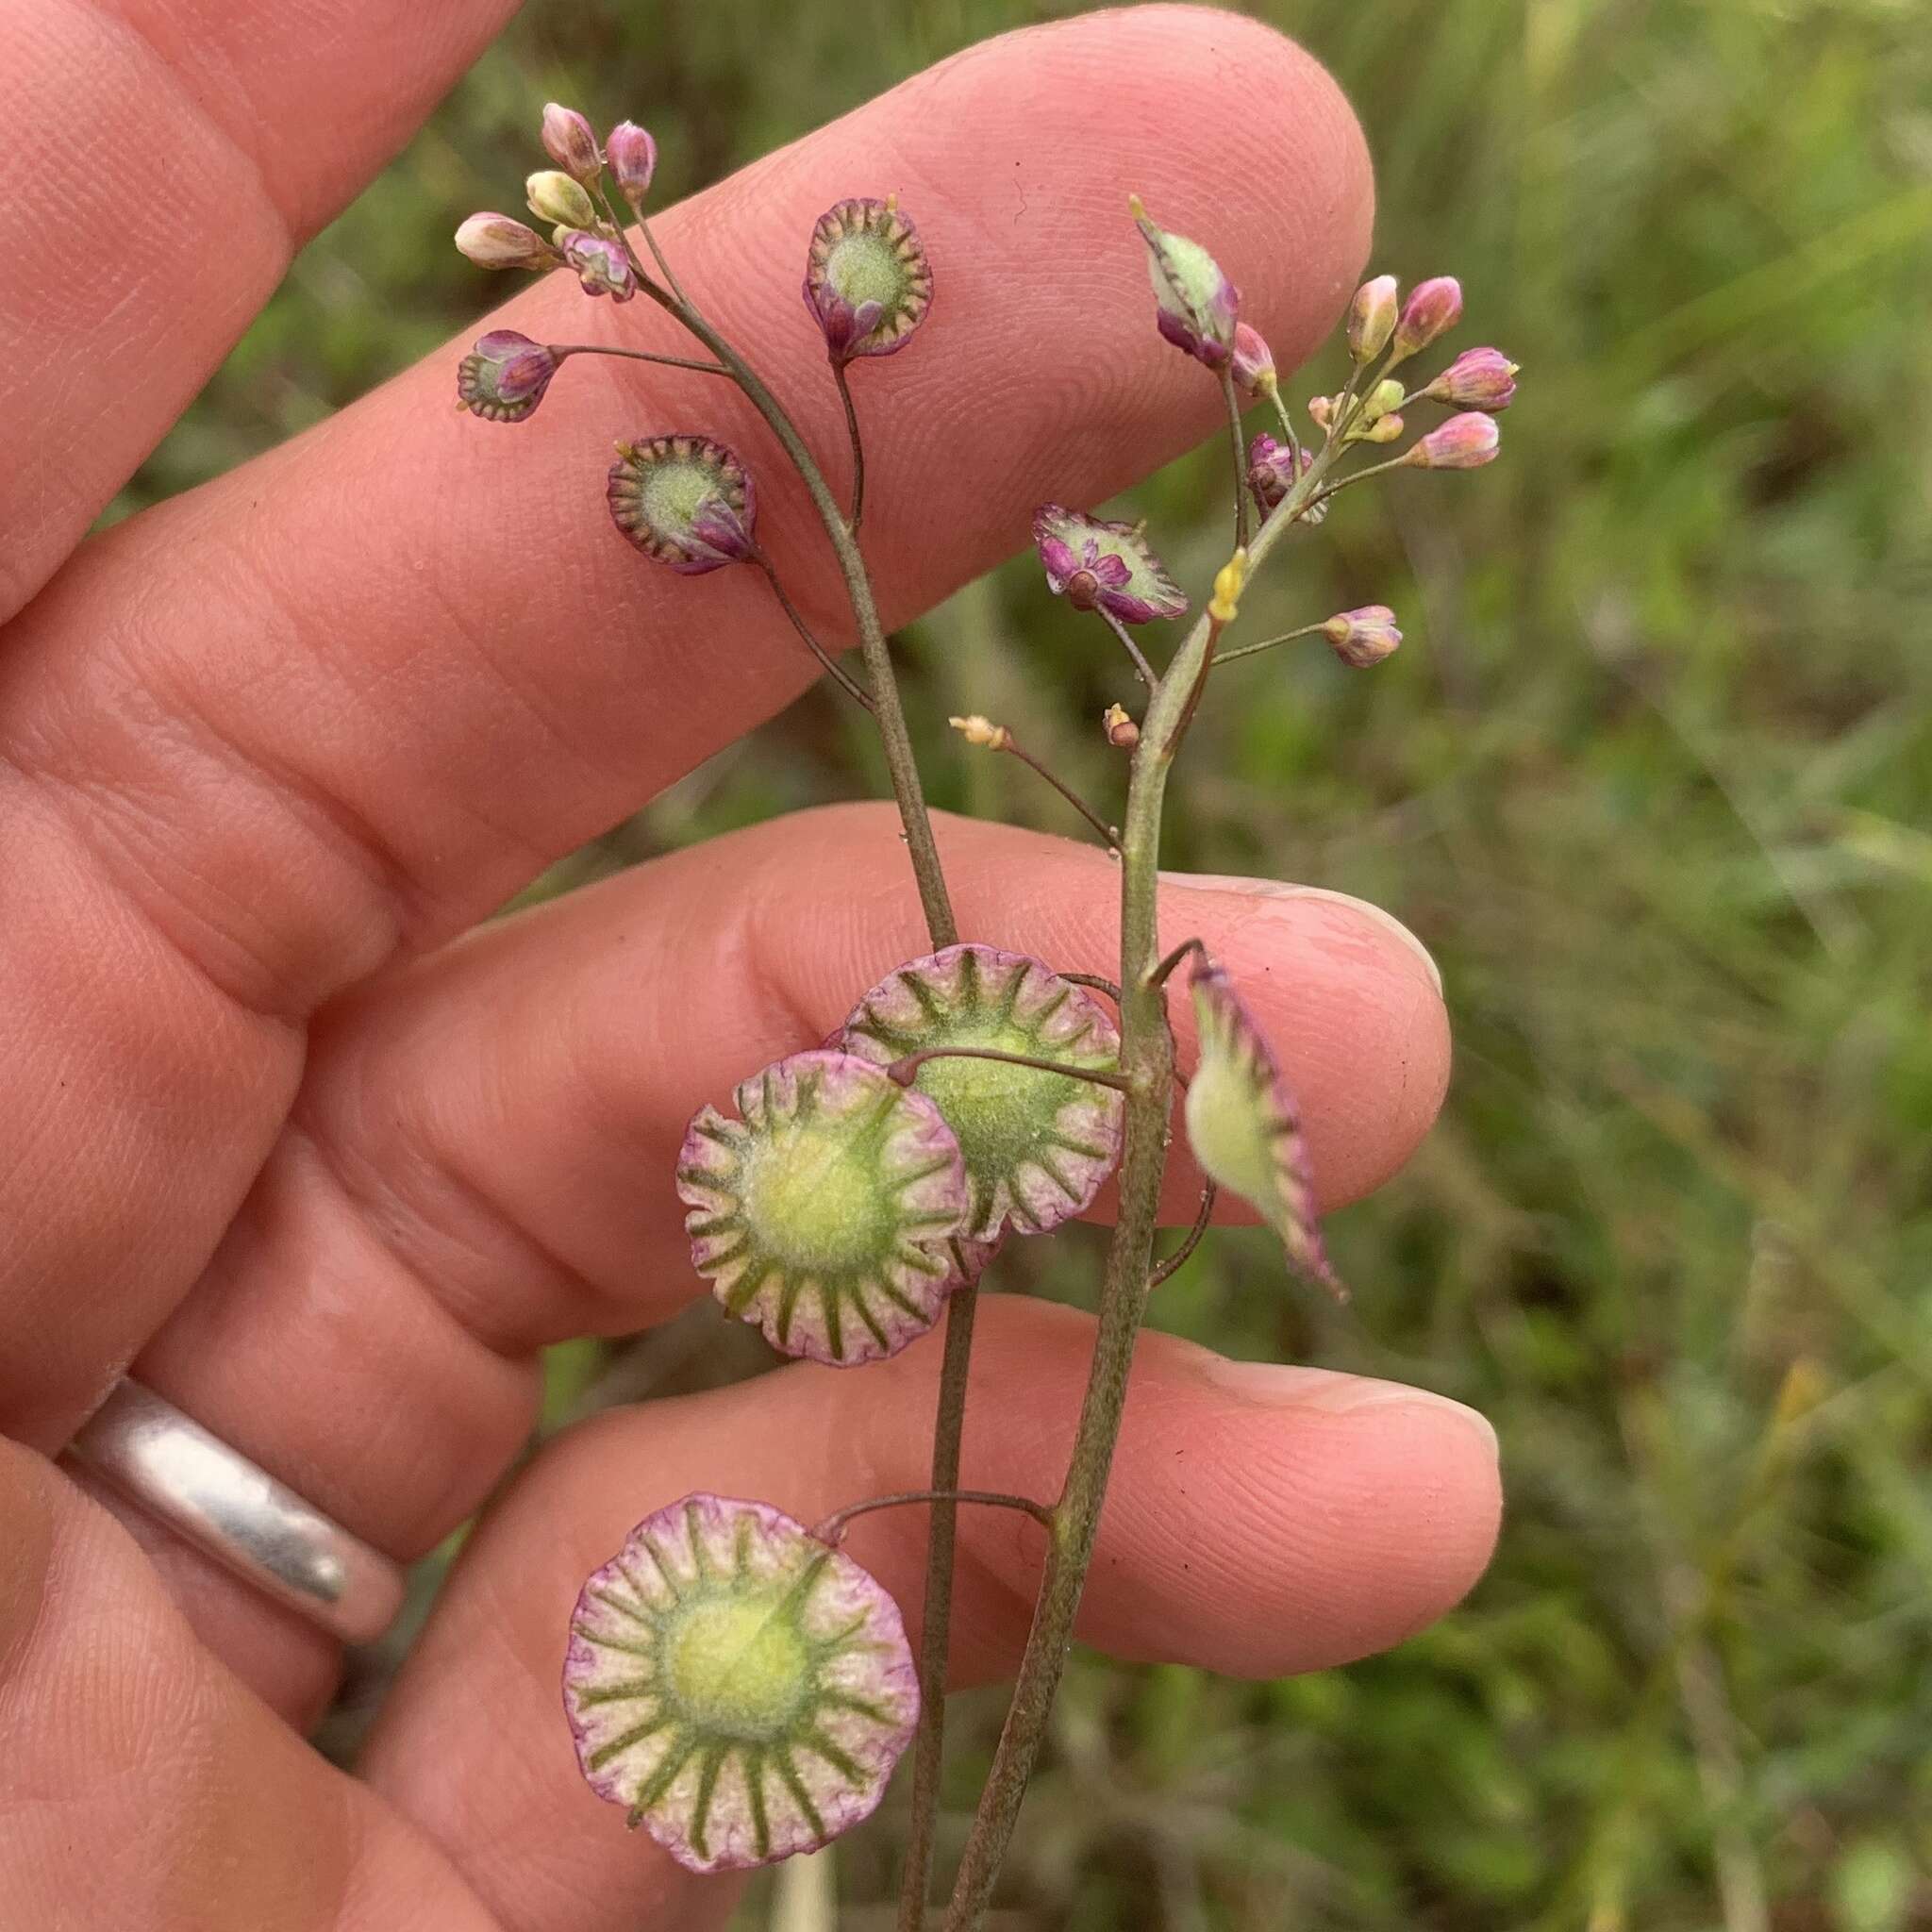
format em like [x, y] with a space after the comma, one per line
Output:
[492, 241]
[571, 142]
[1464, 443]
[1197, 307]
[503, 378]
[1122, 732]
[1363, 637]
[601, 264]
[1273, 471]
[1254, 363]
[554, 196]
[1372, 318]
[685, 500]
[1433, 308]
[867, 281]
[633, 158]
[1477, 379]
[1097, 565]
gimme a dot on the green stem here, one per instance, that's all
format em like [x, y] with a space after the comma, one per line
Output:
[857, 446]
[1287, 636]
[1240, 459]
[903, 1070]
[1147, 1060]
[562, 349]
[833, 1527]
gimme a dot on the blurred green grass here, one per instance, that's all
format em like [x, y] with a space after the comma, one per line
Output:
[1653, 777]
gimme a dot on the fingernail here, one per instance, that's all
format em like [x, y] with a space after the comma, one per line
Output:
[1287, 1385]
[1278, 888]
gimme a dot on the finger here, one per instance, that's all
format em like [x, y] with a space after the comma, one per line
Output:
[1261, 1520]
[482, 1159]
[208, 108]
[354, 696]
[145, 1789]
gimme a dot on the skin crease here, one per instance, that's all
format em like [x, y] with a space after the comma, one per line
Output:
[331, 1174]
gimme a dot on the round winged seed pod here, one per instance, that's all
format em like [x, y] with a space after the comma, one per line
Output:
[742, 1689]
[1244, 1125]
[1196, 306]
[685, 500]
[867, 280]
[1097, 565]
[1036, 1145]
[503, 378]
[825, 1213]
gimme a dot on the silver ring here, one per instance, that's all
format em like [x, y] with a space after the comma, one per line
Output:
[239, 1514]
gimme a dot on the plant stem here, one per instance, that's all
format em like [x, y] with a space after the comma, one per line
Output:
[1171, 1264]
[833, 668]
[562, 349]
[1147, 1060]
[903, 1070]
[1287, 636]
[1141, 667]
[1107, 832]
[1164, 971]
[1240, 459]
[857, 446]
[833, 1527]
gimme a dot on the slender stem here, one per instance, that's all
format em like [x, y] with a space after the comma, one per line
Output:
[1341, 483]
[903, 1070]
[1240, 459]
[842, 677]
[1287, 636]
[1126, 636]
[1172, 1263]
[562, 349]
[1281, 411]
[1108, 832]
[833, 1527]
[857, 444]
[1164, 971]
[1109, 987]
[1146, 1058]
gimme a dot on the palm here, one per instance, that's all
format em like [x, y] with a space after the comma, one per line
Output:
[329, 1177]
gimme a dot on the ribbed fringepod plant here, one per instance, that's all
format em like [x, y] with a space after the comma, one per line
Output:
[736, 1683]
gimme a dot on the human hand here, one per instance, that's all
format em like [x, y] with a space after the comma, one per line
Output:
[327, 1177]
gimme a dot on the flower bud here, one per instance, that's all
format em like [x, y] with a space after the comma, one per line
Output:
[1321, 411]
[1363, 637]
[1197, 305]
[1254, 363]
[1273, 471]
[1097, 565]
[571, 142]
[554, 197]
[503, 378]
[601, 264]
[867, 281]
[494, 240]
[633, 158]
[685, 500]
[1464, 443]
[1386, 396]
[1372, 319]
[1433, 308]
[982, 732]
[1477, 379]
[1229, 581]
[1383, 429]
[1122, 732]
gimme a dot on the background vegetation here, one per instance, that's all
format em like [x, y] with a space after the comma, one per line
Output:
[1653, 780]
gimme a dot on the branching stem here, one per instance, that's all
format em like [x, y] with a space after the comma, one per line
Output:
[835, 671]
[1110, 833]
[562, 349]
[1143, 669]
[833, 1528]
[903, 1071]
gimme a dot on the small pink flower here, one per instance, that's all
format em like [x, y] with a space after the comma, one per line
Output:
[1464, 443]
[633, 158]
[1477, 379]
[571, 142]
[503, 378]
[601, 264]
[1372, 318]
[492, 241]
[1363, 637]
[1433, 308]
[1254, 363]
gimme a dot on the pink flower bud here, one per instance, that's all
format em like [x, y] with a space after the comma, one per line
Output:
[1372, 318]
[1254, 363]
[1464, 443]
[601, 264]
[1321, 411]
[1363, 637]
[554, 196]
[571, 142]
[503, 378]
[867, 281]
[1433, 308]
[633, 157]
[1273, 471]
[1477, 379]
[494, 240]
[1196, 306]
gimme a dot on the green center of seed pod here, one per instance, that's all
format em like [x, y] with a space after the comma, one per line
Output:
[674, 492]
[739, 1666]
[815, 1200]
[865, 267]
[1002, 1114]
